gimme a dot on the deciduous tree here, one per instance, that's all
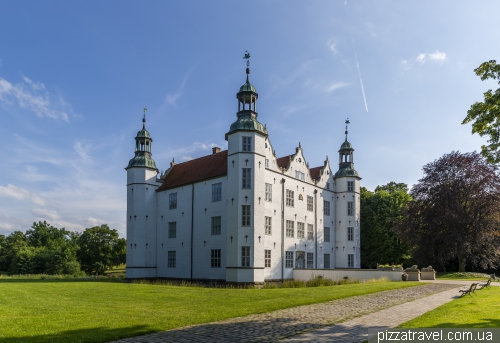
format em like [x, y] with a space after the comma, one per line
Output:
[485, 115]
[455, 212]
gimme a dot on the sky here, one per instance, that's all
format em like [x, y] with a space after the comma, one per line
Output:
[75, 76]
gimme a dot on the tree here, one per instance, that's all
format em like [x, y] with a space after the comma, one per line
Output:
[379, 210]
[100, 249]
[486, 114]
[455, 213]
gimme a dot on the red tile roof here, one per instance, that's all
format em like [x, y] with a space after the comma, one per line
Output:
[315, 172]
[283, 161]
[196, 170]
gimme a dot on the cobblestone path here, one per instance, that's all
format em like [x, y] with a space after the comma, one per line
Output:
[278, 325]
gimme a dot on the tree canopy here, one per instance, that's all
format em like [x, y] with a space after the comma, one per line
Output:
[485, 115]
[455, 213]
[379, 211]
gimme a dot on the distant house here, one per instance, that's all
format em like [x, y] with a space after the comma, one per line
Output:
[241, 215]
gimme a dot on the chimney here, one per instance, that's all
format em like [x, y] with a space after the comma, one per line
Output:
[215, 150]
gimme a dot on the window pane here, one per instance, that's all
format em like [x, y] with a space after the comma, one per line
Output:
[310, 260]
[326, 207]
[245, 215]
[326, 262]
[172, 229]
[269, 192]
[172, 201]
[171, 259]
[310, 231]
[267, 258]
[245, 256]
[216, 225]
[300, 230]
[268, 226]
[309, 203]
[289, 228]
[326, 234]
[217, 191]
[246, 178]
[215, 258]
[289, 259]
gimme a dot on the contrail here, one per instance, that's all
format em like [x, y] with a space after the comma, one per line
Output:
[359, 73]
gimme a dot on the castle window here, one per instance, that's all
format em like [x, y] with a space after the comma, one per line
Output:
[326, 207]
[328, 185]
[216, 224]
[215, 258]
[289, 259]
[350, 208]
[289, 198]
[350, 234]
[326, 235]
[245, 215]
[309, 203]
[246, 181]
[267, 258]
[326, 261]
[171, 259]
[247, 144]
[172, 201]
[350, 186]
[310, 260]
[310, 231]
[350, 260]
[217, 191]
[268, 225]
[172, 229]
[245, 256]
[300, 230]
[302, 176]
[289, 228]
[269, 192]
[267, 163]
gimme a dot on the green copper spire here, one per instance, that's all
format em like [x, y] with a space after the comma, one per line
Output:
[346, 158]
[143, 143]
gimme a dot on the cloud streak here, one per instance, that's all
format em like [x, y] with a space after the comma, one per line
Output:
[359, 73]
[172, 98]
[34, 97]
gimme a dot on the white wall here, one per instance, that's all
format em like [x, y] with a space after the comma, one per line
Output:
[336, 274]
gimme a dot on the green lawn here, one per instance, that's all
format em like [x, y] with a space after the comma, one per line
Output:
[91, 311]
[481, 311]
[462, 276]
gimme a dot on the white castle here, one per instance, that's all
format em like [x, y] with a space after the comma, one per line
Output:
[241, 215]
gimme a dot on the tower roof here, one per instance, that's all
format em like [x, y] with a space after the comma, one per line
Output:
[247, 87]
[143, 134]
[346, 146]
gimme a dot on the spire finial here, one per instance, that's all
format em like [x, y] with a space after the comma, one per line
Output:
[346, 123]
[247, 57]
[144, 118]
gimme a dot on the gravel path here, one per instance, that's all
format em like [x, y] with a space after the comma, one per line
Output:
[278, 325]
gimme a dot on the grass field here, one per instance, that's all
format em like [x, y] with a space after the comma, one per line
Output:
[62, 310]
[481, 311]
[462, 276]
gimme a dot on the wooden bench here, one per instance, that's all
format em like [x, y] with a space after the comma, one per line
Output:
[484, 284]
[469, 290]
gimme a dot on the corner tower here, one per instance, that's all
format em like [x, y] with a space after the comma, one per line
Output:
[141, 208]
[246, 164]
[347, 234]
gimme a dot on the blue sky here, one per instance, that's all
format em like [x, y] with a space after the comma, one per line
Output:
[74, 77]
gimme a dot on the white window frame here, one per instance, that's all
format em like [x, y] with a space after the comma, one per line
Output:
[300, 230]
[172, 229]
[216, 225]
[350, 260]
[172, 259]
[246, 144]
[215, 258]
[326, 261]
[290, 228]
[289, 198]
[269, 225]
[289, 259]
[267, 163]
[246, 178]
[245, 215]
[326, 207]
[217, 192]
[267, 258]
[310, 203]
[310, 231]
[350, 186]
[245, 256]
[309, 260]
[350, 233]
[328, 185]
[269, 192]
[172, 201]
[350, 208]
[326, 234]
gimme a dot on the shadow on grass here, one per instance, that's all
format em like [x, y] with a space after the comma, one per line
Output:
[93, 335]
[485, 323]
[39, 280]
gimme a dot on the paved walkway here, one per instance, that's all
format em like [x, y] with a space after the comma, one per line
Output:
[308, 323]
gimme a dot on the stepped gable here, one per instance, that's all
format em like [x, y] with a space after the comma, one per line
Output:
[283, 161]
[315, 172]
[196, 170]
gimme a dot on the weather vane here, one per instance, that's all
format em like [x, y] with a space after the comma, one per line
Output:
[346, 123]
[247, 57]
[144, 118]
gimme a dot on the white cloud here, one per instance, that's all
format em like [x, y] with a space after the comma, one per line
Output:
[17, 193]
[332, 44]
[33, 96]
[437, 56]
[420, 58]
[44, 214]
[172, 98]
[336, 85]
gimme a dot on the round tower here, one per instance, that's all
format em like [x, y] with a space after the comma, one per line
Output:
[347, 208]
[141, 208]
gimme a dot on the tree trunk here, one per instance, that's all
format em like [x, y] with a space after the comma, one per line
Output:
[461, 264]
